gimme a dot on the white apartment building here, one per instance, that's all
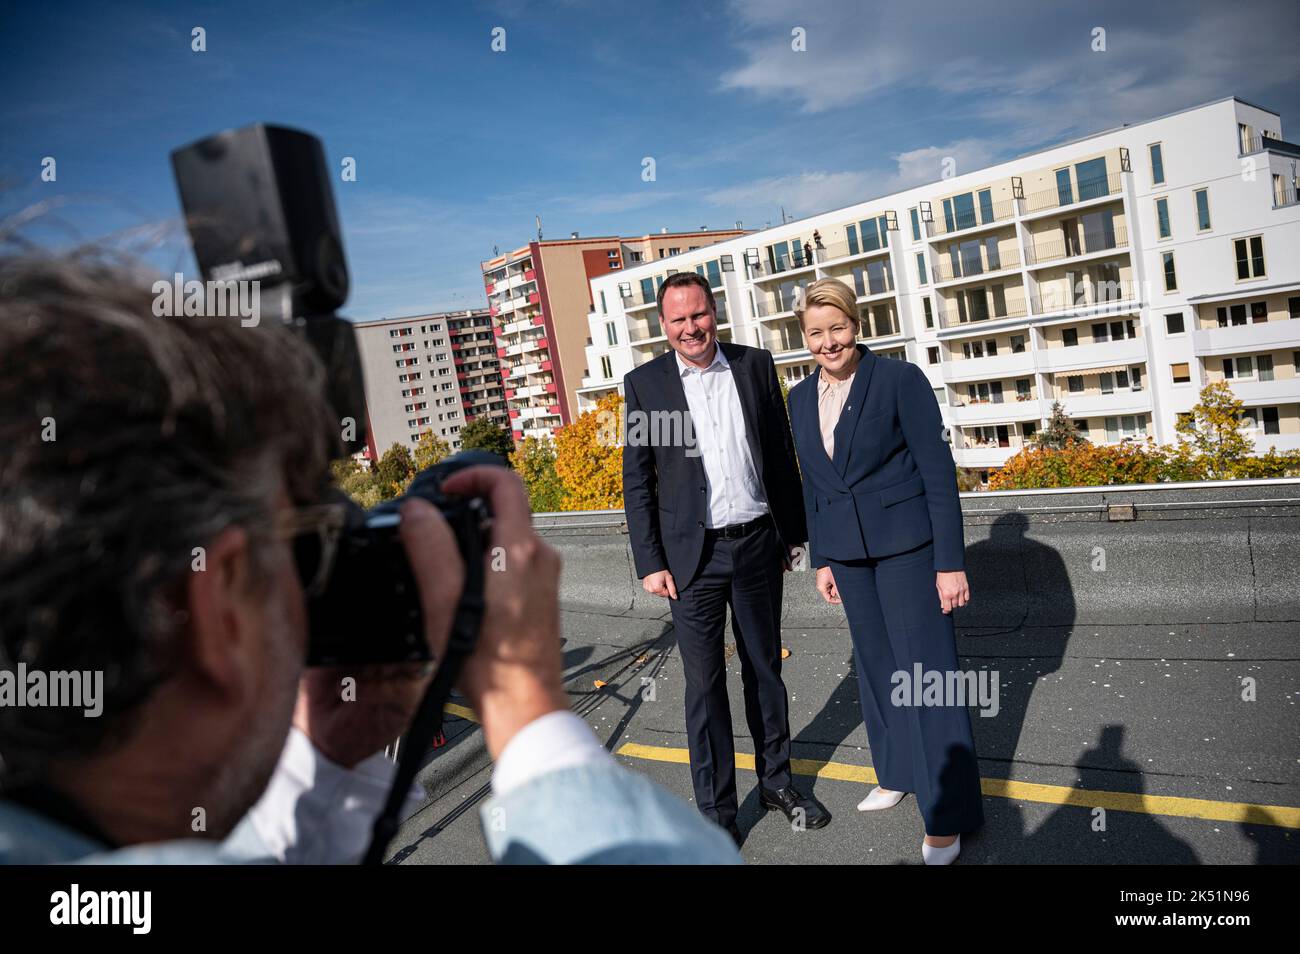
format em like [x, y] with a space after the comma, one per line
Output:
[411, 382]
[1117, 274]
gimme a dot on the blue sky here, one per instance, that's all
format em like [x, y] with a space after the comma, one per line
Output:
[458, 148]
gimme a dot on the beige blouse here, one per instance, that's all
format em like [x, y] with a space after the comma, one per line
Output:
[831, 395]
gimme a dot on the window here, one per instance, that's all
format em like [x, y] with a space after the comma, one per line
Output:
[1293, 307]
[1029, 429]
[1174, 324]
[1070, 336]
[916, 225]
[1264, 367]
[1231, 315]
[1091, 176]
[1258, 311]
[611, 333]
[1017, 344]
[1249, 253]
[1171, 274]
[932, 355]
[1269, 419]
[929, 313]
[1202, 210]
[1157, 164]
[1074, 383]
[606, 369]
[1125, 427]
[1107, 381]
[1162, 218]
[1022, 389]
[1181, 373]
[1064, 192]
[920, 267]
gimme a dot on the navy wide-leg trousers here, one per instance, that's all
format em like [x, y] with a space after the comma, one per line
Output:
[895, 621]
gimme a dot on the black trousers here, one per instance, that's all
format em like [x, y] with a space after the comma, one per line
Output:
[745, 575]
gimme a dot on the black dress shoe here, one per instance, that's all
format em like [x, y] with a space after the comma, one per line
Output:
[794, 804]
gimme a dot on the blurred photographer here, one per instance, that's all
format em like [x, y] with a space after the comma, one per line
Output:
[155, 475]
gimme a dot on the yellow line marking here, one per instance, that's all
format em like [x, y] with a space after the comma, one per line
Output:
[1281, 816]
[463, 712]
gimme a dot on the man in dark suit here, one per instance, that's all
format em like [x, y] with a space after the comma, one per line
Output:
[714, 512]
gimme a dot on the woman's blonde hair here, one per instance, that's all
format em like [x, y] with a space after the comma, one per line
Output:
[829, 291]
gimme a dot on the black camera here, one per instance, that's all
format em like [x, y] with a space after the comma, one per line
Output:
[367, 609]
[259, 207]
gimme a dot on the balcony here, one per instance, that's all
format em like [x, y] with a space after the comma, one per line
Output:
[986, 455]
[1012, 308]
[1006, 364]
[971, 221]
[1083, 357]
[1260, 336]
[1279, 442]
[785, 336]
[837, 251]
[779, 302]
[1059, 249]
[995, 412]
[637, 298]
[1255, 392]
[1121, 401]
[645, 328]
[1284, 193]
[1089, 190]
[786, 264]
[973, 266]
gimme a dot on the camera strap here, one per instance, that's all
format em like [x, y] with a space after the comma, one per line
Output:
[428, 717]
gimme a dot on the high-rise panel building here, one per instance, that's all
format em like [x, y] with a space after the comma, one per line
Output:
[1117, 274]
[540, 297]
[431, 372]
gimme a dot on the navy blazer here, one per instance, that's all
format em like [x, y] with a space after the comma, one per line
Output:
[665, 492]
[892, 484]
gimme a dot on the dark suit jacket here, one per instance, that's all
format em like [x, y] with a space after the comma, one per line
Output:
[665, 494]
[892, 484]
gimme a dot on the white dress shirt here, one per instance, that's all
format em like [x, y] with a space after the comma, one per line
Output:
[315, 811]
[735, 493]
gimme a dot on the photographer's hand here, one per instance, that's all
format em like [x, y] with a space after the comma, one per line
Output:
[349, 722]
[515, 673]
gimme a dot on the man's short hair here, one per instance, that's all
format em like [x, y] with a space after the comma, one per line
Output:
[128, 441]
[684, 279]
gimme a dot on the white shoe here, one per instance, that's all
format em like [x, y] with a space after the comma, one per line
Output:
[941, 856]
[879, 799]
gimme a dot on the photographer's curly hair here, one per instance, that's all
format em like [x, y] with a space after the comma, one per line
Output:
[165, 432]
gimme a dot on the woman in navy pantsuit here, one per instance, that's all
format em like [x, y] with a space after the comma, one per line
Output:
[885, 534]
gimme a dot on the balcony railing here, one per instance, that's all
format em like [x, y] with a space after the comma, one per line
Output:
[997, 212]
[786, 337]
[946, 271]
[777, 302]
[786, 263]
[1285, 193]
[1250, 144]
[831, 251]
[1014, 309]
[636, 298]
[1088, 189]
[1091, 242]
